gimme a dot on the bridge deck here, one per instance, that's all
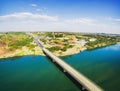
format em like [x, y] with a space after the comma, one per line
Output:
[84, 81]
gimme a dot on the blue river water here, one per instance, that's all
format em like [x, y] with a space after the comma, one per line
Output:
[38, 73]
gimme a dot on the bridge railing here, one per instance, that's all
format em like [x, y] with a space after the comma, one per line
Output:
[79, 77]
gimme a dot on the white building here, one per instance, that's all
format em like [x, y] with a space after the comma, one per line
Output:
[82, 42]
[92, 39]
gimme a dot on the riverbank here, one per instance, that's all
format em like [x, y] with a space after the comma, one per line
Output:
[38, 51]
[22, 52]
[71, 51]
[62, 44]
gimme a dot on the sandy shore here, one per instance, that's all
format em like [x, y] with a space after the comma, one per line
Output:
[22, 52]
[38, 51]
[71, 51]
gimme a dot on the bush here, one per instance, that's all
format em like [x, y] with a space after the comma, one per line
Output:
[64, 49]
[70, 46]
[19, 43]
[59, 35]
[31, 46]
[54, 48]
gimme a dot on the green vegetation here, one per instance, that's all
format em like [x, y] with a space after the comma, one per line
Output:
[64, 49]
[54, 48]
[15, 40]
[57, 42]
[19, 43]
[101, 40]
[64, 41]
[57, 48]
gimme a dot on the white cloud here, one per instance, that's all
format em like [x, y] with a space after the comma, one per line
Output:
[26, 21]
[93, 25]
[39, 10]
[28, 15]
[113, 19]
[81, 21]
[33, 5]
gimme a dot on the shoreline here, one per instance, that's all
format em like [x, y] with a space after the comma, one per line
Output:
[38, 51]
[23, 52]
[71, 51]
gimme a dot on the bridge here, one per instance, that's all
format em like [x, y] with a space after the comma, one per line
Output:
[86, 83]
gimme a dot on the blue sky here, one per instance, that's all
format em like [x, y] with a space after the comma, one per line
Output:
[60, 15]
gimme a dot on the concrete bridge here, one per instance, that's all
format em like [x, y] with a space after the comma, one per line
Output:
[86, 83]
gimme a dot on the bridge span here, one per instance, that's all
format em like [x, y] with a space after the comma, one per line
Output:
[86, 83]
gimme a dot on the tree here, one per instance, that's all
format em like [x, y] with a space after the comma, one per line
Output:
[53, 35]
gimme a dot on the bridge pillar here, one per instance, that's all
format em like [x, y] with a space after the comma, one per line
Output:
[64, 70]
[83, 88]
[53, 60]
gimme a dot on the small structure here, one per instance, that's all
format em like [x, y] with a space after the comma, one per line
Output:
[82, 42]
[92, 39]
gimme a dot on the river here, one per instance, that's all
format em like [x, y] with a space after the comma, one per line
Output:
[38, 73]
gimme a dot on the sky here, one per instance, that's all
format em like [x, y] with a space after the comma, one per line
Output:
[92, 16]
